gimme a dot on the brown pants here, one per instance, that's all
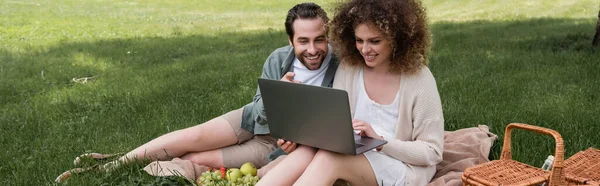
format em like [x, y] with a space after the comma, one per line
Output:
[250, 148]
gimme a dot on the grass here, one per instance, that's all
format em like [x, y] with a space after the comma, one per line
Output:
[159, 66]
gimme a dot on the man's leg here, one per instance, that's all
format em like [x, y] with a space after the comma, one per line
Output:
[214, 134]
[254, 151]
[217, 133]
[212, 158]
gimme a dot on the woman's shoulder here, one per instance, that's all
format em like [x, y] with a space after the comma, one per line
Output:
[345, 75]
[347, 69]
[423, 79]
[346, 65]
[423, 74]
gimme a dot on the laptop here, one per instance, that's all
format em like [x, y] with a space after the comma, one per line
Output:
[313, 116]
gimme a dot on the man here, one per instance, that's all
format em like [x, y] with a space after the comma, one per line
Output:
[234, 138]
[307, 60]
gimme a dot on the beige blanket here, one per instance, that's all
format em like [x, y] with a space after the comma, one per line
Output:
[462, 148]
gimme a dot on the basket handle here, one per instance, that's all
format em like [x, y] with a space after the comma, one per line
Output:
[557, 165]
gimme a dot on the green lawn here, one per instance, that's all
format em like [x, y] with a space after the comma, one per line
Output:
[159, 66]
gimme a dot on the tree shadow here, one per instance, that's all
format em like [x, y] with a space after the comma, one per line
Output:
[163, 60]
[141, 88]
[537, 71]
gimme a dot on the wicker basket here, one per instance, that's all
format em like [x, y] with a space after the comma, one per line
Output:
[506, 171]
[583, 168]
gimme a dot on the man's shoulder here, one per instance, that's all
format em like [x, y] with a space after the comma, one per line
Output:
[279, 56]
[282, 51]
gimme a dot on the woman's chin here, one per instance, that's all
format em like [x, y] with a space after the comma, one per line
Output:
[371, 64]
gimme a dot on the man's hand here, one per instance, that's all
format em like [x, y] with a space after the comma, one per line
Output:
[286, 146]
[289, 77]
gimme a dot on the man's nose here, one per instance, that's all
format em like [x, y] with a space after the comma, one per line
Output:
[312, 49]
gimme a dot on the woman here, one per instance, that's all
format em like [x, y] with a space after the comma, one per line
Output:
[393, 96]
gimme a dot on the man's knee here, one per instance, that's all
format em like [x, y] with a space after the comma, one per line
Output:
[193, 134]
[216, 128]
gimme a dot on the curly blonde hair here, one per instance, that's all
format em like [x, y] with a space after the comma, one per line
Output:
[402, 22]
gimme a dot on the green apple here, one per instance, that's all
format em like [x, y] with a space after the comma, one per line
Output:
[248, 168]
[234, 174]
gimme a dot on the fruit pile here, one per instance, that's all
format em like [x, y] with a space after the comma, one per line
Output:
[244, 176]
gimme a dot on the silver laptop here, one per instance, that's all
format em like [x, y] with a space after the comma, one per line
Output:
[312, 115]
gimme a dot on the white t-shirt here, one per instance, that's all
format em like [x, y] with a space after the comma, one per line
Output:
[382, 118]
[311, 77]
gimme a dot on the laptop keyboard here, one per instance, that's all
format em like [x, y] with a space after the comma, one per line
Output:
[358, 145]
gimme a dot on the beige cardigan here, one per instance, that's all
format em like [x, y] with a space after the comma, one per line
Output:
[420, 129]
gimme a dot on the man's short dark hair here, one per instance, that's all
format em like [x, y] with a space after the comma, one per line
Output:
[304, 11]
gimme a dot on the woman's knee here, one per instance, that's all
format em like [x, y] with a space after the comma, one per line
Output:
[306, 150]
[325, 156]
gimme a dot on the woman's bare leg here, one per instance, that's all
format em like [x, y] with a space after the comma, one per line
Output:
[214, 134]
[326, 167]
[290, 168]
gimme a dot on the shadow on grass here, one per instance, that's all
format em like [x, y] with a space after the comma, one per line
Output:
[159, 58]
[141, 88]
[538, 71]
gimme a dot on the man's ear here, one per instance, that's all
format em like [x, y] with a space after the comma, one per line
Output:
[291, 43]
